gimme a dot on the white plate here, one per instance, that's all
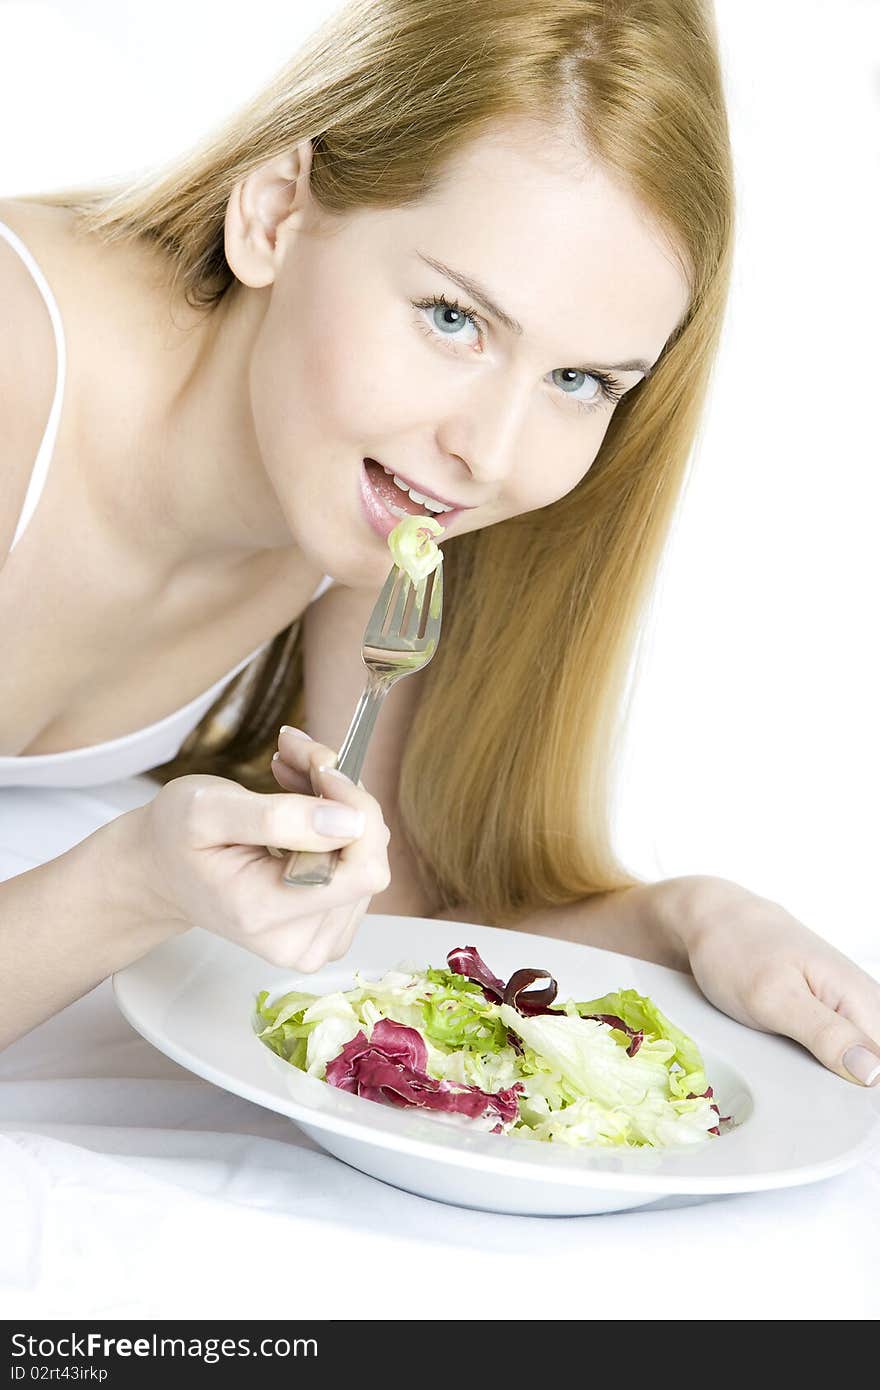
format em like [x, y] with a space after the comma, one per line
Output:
[796, 1122]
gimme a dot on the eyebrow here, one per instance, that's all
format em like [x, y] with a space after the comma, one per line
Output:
[485, 300]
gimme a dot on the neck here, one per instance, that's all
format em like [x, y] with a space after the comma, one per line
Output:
[198, 499]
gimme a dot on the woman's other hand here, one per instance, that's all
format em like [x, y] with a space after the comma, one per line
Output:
[763, 967]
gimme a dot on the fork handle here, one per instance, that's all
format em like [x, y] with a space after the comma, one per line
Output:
[315, 868]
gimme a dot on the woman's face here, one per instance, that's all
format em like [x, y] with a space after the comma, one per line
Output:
[494, 395]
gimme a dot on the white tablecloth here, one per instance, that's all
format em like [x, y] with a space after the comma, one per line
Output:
[131, 1188]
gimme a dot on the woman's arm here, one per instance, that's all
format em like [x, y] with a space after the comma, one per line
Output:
[69, 923]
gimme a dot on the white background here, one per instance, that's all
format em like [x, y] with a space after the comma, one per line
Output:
[752, 751]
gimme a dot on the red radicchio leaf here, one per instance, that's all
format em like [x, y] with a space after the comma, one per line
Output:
[526, 1001]
[529, 1003]
[635, 1035]
[466, 960]
[393, 1040]
[613, 1022]
[379, 1079]
[390, 1068]
[399, 1044]
[342, 1071]
[514, 1042]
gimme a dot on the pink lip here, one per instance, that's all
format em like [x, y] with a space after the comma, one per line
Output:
[382, 521]
[426, 492]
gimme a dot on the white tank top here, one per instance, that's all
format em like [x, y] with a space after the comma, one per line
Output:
[145, 748]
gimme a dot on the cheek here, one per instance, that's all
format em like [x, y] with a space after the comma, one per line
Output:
[556, 456]
[345, 377]
[357, 366]
[312, 371]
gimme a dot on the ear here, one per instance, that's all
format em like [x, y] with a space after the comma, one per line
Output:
[265, 209]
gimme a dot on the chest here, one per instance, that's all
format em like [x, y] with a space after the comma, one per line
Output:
[84, 662]
[95, 647]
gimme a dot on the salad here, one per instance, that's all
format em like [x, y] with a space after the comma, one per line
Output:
[413, 548]
[502, 1057]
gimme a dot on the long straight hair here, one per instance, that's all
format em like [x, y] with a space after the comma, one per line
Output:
[506, 786]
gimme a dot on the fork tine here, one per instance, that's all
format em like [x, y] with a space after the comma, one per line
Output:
[403, 605]
[405, 612]
[388, 603]
[427, 613]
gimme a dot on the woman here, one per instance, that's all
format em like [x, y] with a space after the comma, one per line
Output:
[486, 249]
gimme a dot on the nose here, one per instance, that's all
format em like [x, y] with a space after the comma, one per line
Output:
[485, 431]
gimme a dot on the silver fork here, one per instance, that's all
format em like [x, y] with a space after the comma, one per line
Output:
[400, 638]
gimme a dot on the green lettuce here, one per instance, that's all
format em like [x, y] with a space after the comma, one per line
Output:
[589, 1065]
[284, 1031]
[639, 1012]
[412, 546]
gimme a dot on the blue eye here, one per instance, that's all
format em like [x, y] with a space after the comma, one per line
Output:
[449, 320]
[605, 389]
[570, 380]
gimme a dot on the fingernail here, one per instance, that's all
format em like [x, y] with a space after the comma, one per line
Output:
[334, 772]
[301, 733]
[863, 1064]
[338, 820]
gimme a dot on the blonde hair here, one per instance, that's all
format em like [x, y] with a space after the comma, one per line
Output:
[505, 788]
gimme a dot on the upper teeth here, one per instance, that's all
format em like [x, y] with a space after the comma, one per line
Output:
[430, 502]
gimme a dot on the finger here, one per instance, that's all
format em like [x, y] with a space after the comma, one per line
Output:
[363, 860]
[290, 944]
[327, 780]
[309, 944]
[292, 780]
[367, 856]
[289, 778]
[296, 757]
[323, 948]
[299, 752]
[833, 1039]
[862, 1007]
[302, 753]
[344, 942]
[262, 902]
[232, 815]
[293, 744]
[331, 944]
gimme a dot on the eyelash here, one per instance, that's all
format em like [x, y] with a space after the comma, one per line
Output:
[611, 387]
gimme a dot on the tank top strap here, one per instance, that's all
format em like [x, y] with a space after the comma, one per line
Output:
[47, 447]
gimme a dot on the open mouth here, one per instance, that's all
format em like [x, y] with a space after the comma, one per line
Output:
[383, 503]
[396, 499]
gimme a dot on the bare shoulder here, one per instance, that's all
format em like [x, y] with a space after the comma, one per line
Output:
[27, 365]
[101, 291]
[60, 252]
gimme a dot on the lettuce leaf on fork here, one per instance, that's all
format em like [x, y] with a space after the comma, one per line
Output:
[413, 547]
